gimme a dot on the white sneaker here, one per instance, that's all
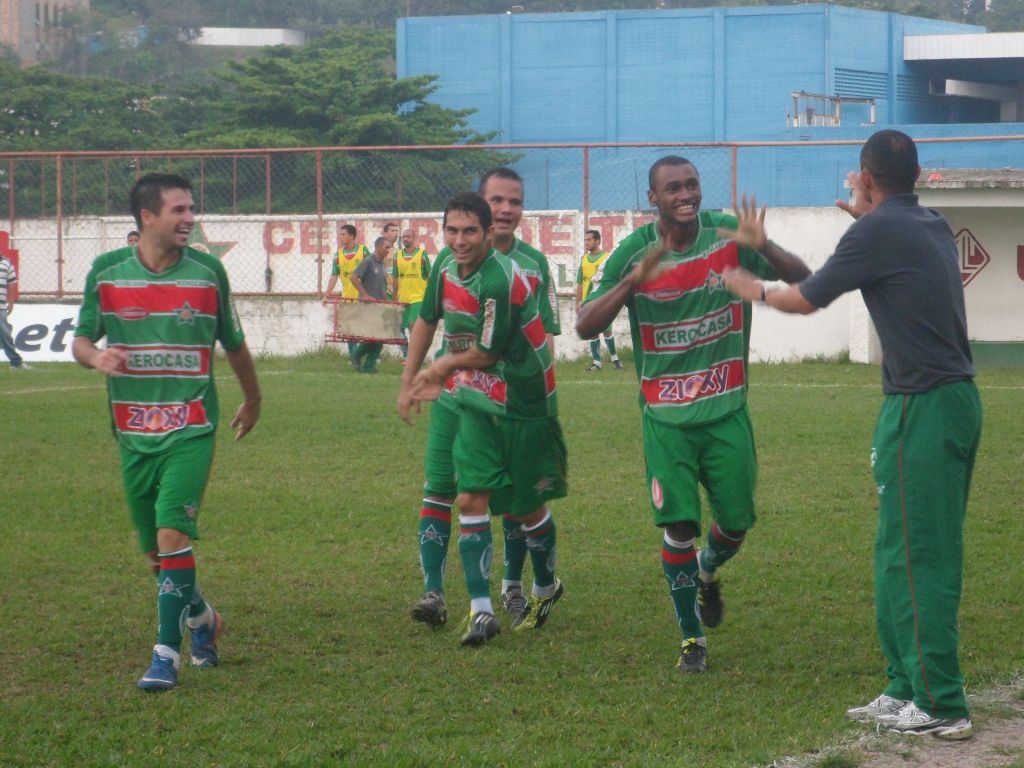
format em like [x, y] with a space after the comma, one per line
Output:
[880, 707]
[22, 367]
[917, 722]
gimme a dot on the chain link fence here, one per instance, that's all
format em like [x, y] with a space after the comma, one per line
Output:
[273, 216]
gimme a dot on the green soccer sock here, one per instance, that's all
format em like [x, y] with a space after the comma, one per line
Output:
[540, 540]
[476, 550]
[515, 550]
[595, 350]
[679, 561]
[720, 548]
[435, 531]
[174, 593]
[197, 607]
[609, 342]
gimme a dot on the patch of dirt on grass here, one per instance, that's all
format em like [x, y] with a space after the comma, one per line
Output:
[998, 742]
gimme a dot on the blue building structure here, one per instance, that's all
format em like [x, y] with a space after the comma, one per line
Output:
[767, 73]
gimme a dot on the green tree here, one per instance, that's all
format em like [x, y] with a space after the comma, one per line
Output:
[338, 91]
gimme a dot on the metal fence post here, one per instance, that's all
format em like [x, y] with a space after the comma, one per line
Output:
[60, 228]
[320, 221]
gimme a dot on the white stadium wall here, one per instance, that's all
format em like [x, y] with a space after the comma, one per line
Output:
[289, 325]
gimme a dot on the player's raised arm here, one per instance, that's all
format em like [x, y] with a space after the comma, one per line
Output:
[750, 231]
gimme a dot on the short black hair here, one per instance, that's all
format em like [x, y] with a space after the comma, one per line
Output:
[147, 193]
[134, 232]
[595, 233]
[667, 160]
[379, 240]
[501, 172]
[891, 156]
[349, 228]
[469, 202]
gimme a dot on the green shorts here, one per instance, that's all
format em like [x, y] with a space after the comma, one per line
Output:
[438, 468]
[409, 315]
[720, 456]
[522, 462]
[165, 490]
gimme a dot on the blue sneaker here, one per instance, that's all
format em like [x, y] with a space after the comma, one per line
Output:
[204, 643]
[162, 674]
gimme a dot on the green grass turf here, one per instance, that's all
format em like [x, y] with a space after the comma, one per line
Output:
[310, 552]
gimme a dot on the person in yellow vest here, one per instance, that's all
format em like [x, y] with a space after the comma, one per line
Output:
[409, 272]
[592, 260]
[350, 254]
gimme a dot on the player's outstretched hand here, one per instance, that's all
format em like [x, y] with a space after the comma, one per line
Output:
[245, 419]
[744, 284]
[649, 267]
[750, 229]
[862, 202]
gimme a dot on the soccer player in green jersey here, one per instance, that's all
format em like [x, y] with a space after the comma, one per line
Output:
[162, 306]
[903, 259]
[593, 258]
[690, 342]
[502, 188]
[508, 445]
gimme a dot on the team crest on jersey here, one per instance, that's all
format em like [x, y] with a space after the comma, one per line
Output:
[191, 510]
[186, 315]
[715, 282]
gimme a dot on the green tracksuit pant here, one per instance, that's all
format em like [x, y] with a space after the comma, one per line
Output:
[923, 455]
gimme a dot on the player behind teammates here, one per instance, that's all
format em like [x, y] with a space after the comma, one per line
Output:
[162, 306]
[502, 188]
[509, 444]
[690, 338]
[346, 260]
[410, 269]
[593, 258]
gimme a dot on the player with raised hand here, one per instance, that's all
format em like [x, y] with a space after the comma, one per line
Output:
[162, 307]
[690, 342]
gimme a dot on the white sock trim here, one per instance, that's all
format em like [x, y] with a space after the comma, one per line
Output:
[474, 519]
[179, 553]
[508, 583]
[203, 620]
[547, 516]
[678, 544]
[481, 605]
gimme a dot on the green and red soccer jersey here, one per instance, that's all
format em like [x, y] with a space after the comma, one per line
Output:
[690, 335]
[494, 310]
[534, 266]
[167, 324]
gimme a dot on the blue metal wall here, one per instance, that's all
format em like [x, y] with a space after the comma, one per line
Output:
[723, 74]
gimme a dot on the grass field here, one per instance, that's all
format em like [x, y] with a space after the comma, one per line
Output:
[310, 552]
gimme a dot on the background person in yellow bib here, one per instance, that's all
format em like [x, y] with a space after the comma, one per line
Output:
[409, 272]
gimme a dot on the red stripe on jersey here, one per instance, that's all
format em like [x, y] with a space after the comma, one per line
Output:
[690, 387]
[534, 332]
[177, 563]
[677, 558]
[158, 418]
[457, 299]
[686, 334]
[158, 360]
[437, 514]
[692, 274]
[520, 290]
[493, 387]
[135, 302]
[549, 379]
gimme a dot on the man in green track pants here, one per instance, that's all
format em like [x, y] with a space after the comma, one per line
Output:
[903, 258]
